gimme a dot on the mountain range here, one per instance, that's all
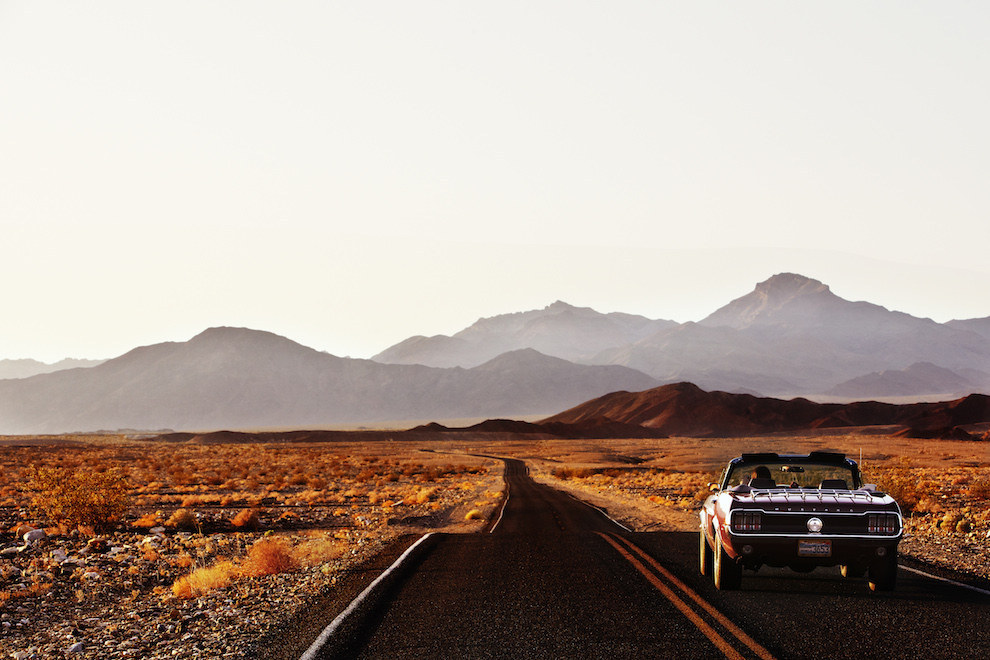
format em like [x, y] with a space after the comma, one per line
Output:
[240, 378]
[790, 336]
[25, 368]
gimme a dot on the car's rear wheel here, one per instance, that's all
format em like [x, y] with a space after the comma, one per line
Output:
[706, 556]
[883, 573]
[727, 573]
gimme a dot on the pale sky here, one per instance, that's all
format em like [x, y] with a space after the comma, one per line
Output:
[348, 174]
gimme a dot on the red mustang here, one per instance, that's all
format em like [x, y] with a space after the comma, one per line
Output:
[799, 511]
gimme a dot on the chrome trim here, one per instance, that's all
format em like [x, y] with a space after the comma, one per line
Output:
[819, 514]
[900, 518]
[758, 535]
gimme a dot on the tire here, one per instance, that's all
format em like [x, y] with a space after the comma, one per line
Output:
[727, 574]
[705, 555]
[883, 573]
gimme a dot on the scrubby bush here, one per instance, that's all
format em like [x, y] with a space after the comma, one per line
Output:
[268, 557]
[182, 519]
[149, 520]
[206, 579]
[246, 519]
[573, 473]
[79, 497]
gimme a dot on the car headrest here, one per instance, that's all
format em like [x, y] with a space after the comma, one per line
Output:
[762, 483]
[834, 484]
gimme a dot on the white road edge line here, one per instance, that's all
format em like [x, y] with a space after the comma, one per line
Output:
[942, 579]
[311, 652]
[601, 511]
[502, 510]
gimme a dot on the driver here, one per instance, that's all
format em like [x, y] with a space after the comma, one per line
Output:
[760, 472]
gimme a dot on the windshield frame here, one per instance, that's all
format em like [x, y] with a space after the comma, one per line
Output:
[813, 470]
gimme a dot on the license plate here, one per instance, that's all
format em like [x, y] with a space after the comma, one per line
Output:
[814, 548]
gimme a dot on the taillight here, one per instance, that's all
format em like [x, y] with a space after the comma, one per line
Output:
[747, 521]
[882, 523]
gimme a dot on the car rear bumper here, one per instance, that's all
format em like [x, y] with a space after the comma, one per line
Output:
[809, 550]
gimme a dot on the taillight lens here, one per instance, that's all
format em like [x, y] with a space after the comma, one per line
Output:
[882, 523]
[747, 521]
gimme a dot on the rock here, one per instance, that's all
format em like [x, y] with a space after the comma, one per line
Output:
[34, 535]
[9, 552]
[97, 544]
[157, 530]
[22, 530]
[59, 555]
[75, 648]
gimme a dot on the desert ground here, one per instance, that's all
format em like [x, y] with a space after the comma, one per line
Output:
[219, 544]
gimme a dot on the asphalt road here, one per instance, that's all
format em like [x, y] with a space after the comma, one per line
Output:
[556, 578]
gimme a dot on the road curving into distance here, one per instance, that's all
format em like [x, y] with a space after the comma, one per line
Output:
[556, 578]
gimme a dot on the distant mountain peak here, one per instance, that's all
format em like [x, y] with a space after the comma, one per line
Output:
[767, 298]
[560, 306]
[788, 285]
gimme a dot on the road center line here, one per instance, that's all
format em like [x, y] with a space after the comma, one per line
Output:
[314, 648]
[708, 607]
[685, 609]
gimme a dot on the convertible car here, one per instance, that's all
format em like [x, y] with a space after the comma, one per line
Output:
[801, 512]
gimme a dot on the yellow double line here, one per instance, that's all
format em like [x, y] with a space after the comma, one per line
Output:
[653, 572]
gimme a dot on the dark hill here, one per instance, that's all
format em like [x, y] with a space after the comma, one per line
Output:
[687, 410]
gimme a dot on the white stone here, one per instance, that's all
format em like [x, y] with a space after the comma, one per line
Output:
[59, 555]
[75, 648]
[34, 535]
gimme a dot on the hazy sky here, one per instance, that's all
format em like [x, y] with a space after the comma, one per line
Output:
[349, 174]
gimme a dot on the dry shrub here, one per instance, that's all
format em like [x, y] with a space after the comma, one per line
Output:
[572, 473]
[318, 551]
[980, 490]
[268, 557]
[182, 519]
[422, 496]
[204, 580]
[246, 519]
[149, 520]
[79, 498]
[927, 505]
[903, 488]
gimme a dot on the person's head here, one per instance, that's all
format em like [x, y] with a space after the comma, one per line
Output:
[761, 472]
